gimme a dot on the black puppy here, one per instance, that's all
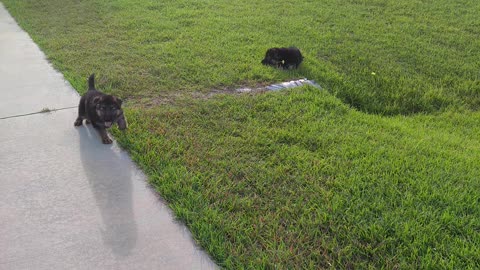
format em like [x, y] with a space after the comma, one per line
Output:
[283, 57]
[101, 110]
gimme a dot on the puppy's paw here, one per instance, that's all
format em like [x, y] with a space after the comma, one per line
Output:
[87, 121]
[78, 122]
[106, 140]
[122, 123]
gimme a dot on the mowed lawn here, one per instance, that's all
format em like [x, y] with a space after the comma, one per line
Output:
[379, 169]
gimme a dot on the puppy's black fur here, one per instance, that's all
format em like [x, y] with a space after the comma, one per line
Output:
[101, 110]
[285, 58]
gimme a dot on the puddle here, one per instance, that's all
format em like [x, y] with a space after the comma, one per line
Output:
[281, 86]
[291, 84]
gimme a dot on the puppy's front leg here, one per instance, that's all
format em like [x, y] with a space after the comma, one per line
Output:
[122, 122]
[81, 112]
[78, 122]
[103, 134]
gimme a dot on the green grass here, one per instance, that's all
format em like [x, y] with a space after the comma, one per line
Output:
[379, 170]
[424, 53]
[298, 180]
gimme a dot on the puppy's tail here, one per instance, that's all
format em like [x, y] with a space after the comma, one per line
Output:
[91, 82]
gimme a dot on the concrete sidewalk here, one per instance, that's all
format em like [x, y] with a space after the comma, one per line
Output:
[66, 200]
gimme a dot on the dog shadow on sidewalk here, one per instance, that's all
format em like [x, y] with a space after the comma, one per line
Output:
[110, 180]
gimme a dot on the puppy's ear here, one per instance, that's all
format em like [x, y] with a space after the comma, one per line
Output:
[96, 100]
[272, 53]
[276, 52]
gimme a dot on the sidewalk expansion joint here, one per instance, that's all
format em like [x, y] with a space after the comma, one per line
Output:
[44, 110]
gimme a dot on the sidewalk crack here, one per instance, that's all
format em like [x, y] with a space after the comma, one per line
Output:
[44, 110]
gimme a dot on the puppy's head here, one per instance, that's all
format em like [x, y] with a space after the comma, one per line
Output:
[108, 109]
[294, 53]
[272, 57]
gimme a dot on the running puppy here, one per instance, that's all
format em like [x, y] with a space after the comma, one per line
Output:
[101, 110]
[285, 58]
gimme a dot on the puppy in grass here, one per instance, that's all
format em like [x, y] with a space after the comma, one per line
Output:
[285, 58]
[101, 110]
